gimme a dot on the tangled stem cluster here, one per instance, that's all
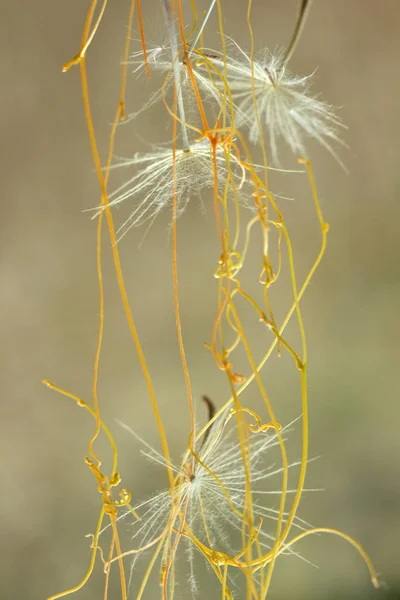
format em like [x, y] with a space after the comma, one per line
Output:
[217, 102]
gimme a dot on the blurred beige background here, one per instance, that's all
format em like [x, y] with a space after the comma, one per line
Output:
[49, 302]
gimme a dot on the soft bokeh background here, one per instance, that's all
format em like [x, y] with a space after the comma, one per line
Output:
[49, 301]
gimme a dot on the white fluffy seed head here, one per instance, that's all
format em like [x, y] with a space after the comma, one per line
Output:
[152, 186]
[285, 106]
[199, 495]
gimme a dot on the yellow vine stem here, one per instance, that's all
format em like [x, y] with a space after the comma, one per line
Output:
[261, 137]
[213, 138]
[175, 279]
[217, 559]
[194, 11]
[324, 230]
[105, 485]
[280, 538]
[224, 365]
[301, 364]
[85, 43]
[172, 112]
[190, 70]
[281, 545]
[226, 86]
[348, 538]
[282, 446]
[169, 566]
[227, 301]
[105, 204]
[143, 41]
[165, 569]
[87, 37]
[161, 539]
[256, 369]
[86, 578]
[109, 506]
[224, 295]
[115, 476]
[165, 537]
[107, 571]
[246, 457]
[222, 558]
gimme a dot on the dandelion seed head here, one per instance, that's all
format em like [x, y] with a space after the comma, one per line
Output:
[157, 175]
[283, 102]
[198, 499]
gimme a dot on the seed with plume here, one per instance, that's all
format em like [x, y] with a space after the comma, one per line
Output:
[207, 499]
[283, 102]
[152, 186]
